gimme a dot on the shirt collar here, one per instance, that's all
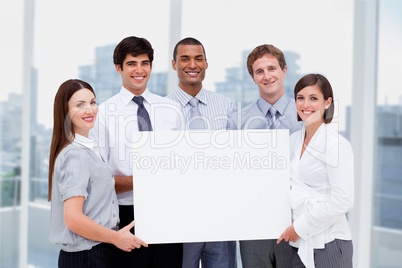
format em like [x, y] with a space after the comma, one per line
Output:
[127, 96]
[280, 105]
[184, 97]
[202, 96]
[84, 141]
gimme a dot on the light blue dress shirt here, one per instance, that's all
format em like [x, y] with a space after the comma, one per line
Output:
[254, 116]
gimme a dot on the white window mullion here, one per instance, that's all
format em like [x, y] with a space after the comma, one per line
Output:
[363, 125]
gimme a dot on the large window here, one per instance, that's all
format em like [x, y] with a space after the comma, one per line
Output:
[75, 39]
[387, 187]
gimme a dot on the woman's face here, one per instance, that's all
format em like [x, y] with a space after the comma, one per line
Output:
[311, 105]
[82, 111]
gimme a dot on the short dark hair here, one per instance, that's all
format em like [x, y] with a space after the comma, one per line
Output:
[262, 50]
[188, 41]
[326, 90]
[133, 46]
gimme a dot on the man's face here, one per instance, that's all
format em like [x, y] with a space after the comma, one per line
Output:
[269, 77]
[135, 73]
[190, 65]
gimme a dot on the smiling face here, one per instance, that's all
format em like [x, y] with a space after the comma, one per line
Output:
[269, 77]
[82, 111]
[311, 105]
[190, 64]
[135, 73]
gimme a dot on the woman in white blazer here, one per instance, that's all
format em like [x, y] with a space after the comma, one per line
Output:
[322, 181]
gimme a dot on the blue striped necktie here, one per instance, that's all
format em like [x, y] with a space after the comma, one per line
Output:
[274, 117]
[144, 123]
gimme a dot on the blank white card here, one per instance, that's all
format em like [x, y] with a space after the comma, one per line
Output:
[193, 186]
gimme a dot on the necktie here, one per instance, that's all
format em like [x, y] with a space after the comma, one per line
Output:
[195, 120]
[144, 123]
[274, 118]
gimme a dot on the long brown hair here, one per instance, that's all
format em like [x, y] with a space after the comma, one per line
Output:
[63, 129]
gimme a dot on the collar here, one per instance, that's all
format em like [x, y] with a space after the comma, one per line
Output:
[184, 97]
[202, 95]
[84, 141]
[280, 105]
[127, 97]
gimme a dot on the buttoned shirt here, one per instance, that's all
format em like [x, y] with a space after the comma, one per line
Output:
[215, 109]
[117, 121]
[79, 171]
[322, 189]
[254, 116]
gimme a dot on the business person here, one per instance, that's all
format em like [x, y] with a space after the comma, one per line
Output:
[203, 109]
[273, 110]
[134, 108]
[84, 211]
[322, 182]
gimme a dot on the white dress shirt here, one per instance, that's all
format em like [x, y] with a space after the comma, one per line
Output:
[117, 121]
[322, 190]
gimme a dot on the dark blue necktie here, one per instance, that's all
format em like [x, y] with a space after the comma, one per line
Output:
[144, 123]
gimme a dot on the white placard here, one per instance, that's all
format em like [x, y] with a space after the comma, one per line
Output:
[211, 186]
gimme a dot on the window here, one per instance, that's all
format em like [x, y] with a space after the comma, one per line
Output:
[387, 187]
[76, 39]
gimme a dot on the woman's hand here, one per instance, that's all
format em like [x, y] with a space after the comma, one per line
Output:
[126, 240]
[82, 225]
[288, 235]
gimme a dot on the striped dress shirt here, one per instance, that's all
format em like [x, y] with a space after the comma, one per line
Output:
[215, 109]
